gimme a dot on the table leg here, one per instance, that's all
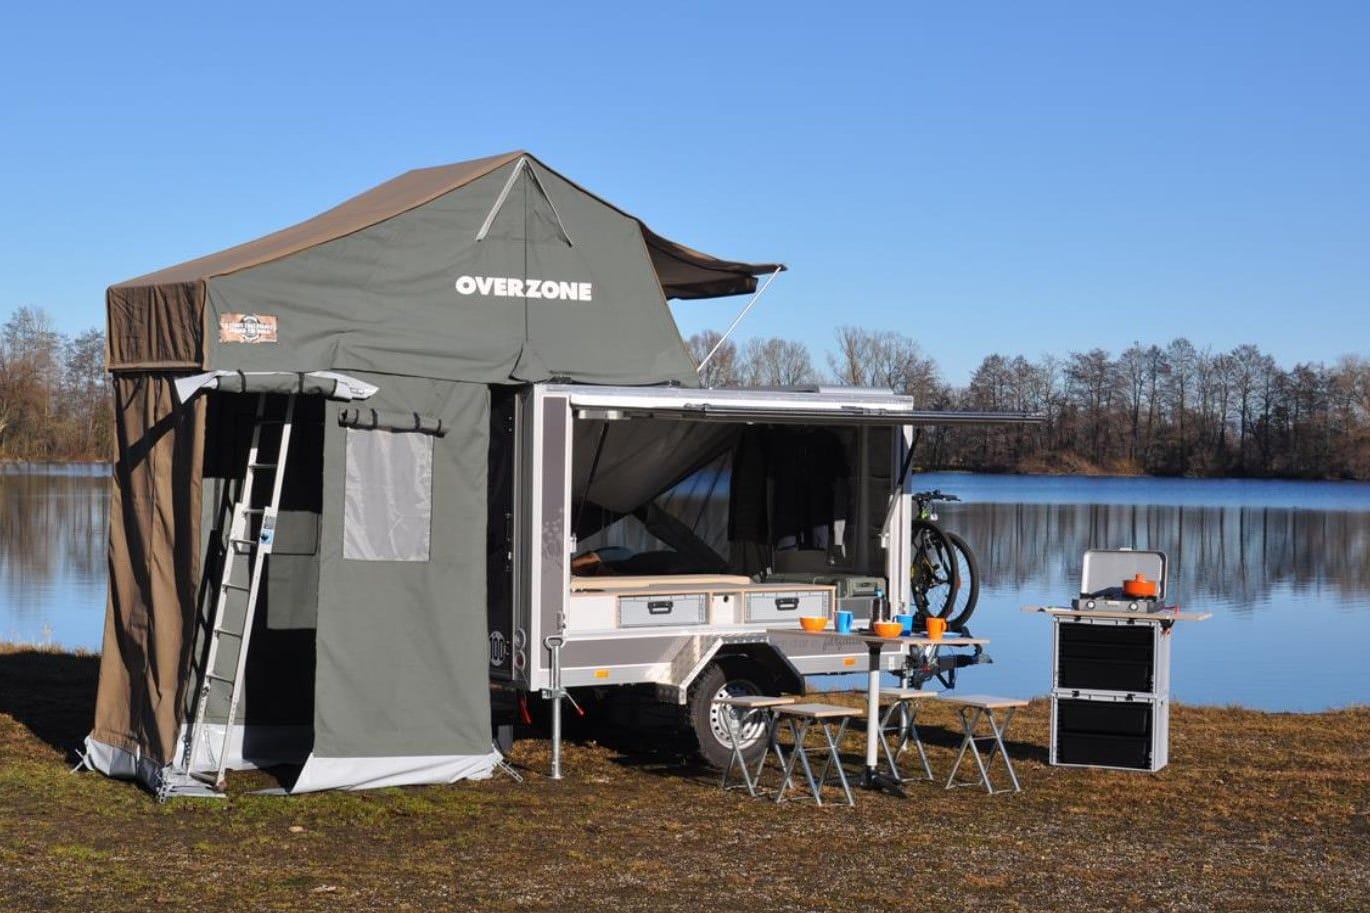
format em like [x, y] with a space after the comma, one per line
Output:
[873, 778]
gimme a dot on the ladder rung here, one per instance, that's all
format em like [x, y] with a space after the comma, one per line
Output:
[243, 541]
[230, 633]
[217, 677]
[253, 510]
[236, 586]
[262, 465]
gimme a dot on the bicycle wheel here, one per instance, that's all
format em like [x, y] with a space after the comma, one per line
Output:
[967, 575]
[932, 572]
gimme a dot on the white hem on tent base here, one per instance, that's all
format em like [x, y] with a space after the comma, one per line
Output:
[271, 745]
[374, 773]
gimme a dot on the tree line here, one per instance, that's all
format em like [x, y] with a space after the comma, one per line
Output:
[1171, 409]
[54, 395]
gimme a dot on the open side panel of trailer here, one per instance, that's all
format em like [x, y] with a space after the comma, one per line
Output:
[663, 534]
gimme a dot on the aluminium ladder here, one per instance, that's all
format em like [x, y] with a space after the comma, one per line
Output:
[239, 589]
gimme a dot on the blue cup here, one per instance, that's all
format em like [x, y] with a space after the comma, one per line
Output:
[842, 623]
[906, 621]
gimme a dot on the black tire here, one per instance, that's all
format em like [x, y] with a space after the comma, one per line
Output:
[967, 583]
[932, 580]
[734, 677]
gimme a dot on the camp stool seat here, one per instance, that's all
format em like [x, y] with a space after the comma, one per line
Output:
[800, 720]
[898, 721]
[740, 712]
[972, 708]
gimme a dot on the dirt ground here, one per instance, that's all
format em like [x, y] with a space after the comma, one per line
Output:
[1257, 811]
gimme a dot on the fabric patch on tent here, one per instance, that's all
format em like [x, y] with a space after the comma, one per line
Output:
[247, 328]
[388, 499]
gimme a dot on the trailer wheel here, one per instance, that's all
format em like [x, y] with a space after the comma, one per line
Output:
[726, 678]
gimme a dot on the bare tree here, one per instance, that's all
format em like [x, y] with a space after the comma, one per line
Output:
[30, 372]
[86, 393]
[722, 370]
[1093, 383]
[777, 362]
[886, 359]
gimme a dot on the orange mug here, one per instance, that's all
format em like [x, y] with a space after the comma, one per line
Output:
[936, 628]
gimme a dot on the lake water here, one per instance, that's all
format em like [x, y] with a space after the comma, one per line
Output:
[1284, 567]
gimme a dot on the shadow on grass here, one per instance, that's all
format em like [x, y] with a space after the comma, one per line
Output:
[654, 746]
[52, 694]
[951, 739]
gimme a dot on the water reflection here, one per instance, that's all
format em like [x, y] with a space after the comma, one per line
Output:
[54, 523]
[1234, 556]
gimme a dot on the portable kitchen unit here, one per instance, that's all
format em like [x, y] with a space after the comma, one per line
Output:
[1110, 660]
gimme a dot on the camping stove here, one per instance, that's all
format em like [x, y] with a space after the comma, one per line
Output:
[1108, 602]
[1103, 574]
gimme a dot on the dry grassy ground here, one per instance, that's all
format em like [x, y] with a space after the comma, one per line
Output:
[1256, 811]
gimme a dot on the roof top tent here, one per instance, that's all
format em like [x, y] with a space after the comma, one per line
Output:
[394, 326]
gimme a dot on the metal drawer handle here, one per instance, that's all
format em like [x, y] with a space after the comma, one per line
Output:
[662, 607]
[786, 603]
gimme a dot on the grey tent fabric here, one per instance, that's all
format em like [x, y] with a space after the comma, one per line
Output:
[420, 291]
[402, 651]
[364, 417]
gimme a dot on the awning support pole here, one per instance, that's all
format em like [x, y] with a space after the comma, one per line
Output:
[736, 320]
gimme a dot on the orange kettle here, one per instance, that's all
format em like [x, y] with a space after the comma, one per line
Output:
[1139, 588]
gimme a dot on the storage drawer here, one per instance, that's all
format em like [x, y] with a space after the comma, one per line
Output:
[1106, 657]
[1103, 718]
[1109, 731]
[787, 605]
[1087, 749]
[664, 609]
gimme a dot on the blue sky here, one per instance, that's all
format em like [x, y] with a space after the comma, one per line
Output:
[1021, 178]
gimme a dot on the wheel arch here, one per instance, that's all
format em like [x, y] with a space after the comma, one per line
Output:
[776, 666]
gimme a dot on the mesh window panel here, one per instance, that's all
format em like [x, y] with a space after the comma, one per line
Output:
[388, 501]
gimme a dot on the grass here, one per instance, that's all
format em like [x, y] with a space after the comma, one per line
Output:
[1257, 811]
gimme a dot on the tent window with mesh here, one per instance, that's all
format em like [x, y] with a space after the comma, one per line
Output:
[388, 503]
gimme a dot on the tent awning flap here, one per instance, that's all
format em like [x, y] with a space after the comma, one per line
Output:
[687, 273]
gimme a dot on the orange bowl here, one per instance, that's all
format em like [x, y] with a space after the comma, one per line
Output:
[813, 622]
[887, 628]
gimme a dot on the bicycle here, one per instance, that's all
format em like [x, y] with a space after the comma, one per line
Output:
[944, 576]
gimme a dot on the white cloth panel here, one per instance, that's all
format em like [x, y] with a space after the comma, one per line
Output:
[375, 773]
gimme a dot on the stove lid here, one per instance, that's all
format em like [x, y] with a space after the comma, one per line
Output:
[1105, 569]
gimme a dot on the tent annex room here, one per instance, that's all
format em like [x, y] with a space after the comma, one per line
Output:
[379, 333]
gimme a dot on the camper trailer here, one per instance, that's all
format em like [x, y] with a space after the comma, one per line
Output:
[660, 540]
[444, 432]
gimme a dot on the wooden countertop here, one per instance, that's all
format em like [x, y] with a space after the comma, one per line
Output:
[1157, 617]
